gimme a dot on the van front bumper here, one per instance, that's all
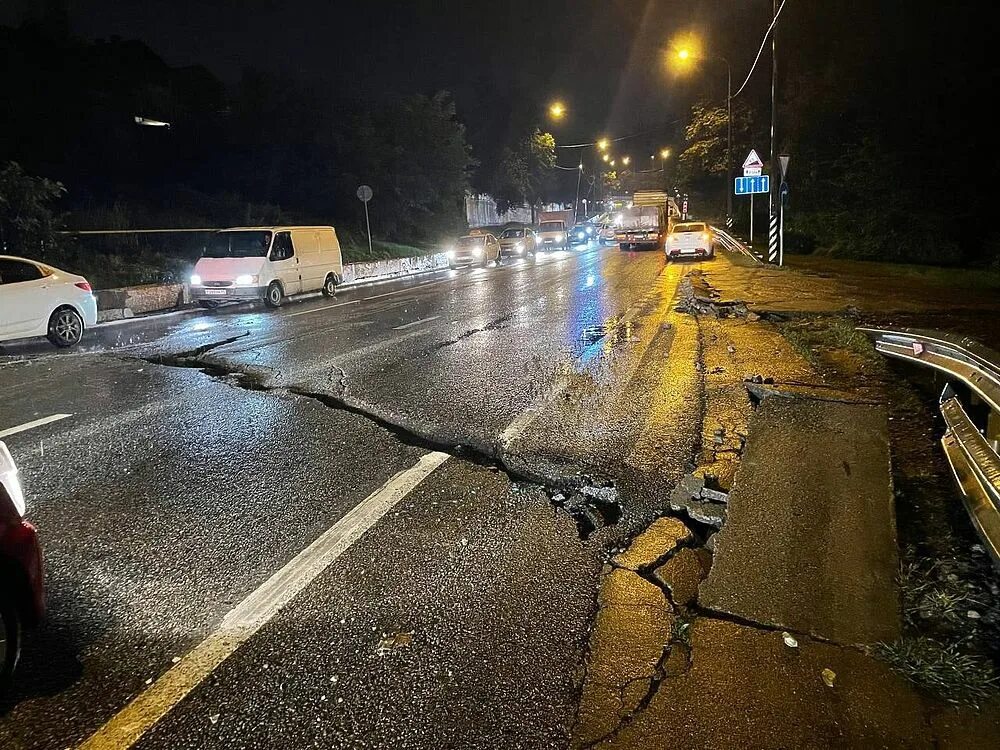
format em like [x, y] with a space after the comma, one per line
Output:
[222, 294]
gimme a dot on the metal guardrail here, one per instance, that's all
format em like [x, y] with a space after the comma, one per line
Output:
[733, 244]
[972, 455]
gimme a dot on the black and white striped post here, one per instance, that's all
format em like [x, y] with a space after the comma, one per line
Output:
[772, 238]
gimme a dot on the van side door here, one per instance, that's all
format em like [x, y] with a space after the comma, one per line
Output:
[306, 244]
[285, 263]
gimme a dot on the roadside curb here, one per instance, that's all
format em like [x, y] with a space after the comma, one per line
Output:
[149, 300]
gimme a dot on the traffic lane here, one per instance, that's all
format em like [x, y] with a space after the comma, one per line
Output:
[482, 352]
[470, 383]
[132, 332]
[156, 519]
[460, 620]
[328, 320]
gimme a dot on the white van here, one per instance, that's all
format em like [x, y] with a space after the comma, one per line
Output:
[268, 263]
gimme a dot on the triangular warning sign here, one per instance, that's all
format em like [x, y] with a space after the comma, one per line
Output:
[753, 160]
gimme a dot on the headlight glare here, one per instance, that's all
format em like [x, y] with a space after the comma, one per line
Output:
[246, 280]
[195, 280]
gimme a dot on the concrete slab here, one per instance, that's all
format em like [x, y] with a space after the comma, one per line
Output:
[746, 689]
[810, 544]
[659, 540]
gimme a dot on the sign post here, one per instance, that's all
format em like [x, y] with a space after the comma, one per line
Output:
[364, 195]
[753, 181]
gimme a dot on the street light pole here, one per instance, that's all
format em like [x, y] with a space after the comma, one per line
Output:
[729, 144]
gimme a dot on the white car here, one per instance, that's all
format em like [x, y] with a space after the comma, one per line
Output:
[692, 239]
[37, 299]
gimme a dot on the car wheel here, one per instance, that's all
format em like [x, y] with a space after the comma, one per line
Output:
[10, 637]
[208, 304]
[330, 286]
[65, 327]
[273, 295]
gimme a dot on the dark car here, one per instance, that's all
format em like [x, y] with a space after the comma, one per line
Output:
[581, 234]
[22, 593]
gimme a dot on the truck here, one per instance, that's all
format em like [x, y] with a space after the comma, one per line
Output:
[646, 222]
[567, 217]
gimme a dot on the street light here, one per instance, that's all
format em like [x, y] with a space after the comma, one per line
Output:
[664, 153]
[626, 160]
[605, 157]
[690, 52]
[557, 110]
[602, 144]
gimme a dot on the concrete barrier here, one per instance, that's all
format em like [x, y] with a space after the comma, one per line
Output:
[127, 302]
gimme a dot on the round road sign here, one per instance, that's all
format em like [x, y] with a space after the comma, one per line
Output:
[364, 193]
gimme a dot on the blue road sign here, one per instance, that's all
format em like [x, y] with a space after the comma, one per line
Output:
[749, 185]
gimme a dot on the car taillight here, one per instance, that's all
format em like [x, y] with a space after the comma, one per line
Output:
[84, 285]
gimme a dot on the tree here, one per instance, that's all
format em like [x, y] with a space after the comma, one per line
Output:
[702, 167]
[525, 171]
[27, 220]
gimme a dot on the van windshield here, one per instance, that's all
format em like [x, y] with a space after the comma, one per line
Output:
[552, 226]
[249, 244]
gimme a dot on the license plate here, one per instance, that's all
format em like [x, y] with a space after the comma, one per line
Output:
[216, 292]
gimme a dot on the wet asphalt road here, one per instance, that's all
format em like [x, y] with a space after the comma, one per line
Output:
[203, 452]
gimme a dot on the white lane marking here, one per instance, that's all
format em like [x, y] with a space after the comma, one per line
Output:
[523, 420]
[416, 323]
[320, 309]
[33, 424]
[408, 289]
[126, 727]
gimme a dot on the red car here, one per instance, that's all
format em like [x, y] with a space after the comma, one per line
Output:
[22, 592]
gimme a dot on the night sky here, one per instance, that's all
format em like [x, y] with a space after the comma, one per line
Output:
[502, 60]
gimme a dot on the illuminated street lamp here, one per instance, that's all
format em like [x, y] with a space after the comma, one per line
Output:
[557, 110]
[626, 160]
[664, 153]
[689, 51]
[602, 144]
[605, 157]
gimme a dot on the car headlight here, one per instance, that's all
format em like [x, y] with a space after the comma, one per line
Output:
[450, 253]
[560, 236]
[479, 250]
[519, 246]
[246, 280]
[195, 280]
[9, 480]
[590, 230]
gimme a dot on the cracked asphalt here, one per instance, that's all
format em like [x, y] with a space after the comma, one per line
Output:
[205, 453]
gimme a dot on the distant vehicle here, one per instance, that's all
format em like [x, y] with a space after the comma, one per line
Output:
[582, 233]
[37, 299]
[475, 249]
[517, 241]
[645, 223]
[566, 216]
[607, 234]
[552, 235]
[269, 263]
[22, 592]
[690, 239]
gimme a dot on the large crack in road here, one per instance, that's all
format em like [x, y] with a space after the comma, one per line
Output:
[592, 502]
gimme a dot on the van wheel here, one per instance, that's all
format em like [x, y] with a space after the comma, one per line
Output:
[65, 327]
[273, 295]
[10, 636]
[330, 286]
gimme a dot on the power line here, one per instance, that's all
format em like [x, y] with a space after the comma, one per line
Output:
[622, 138]
[763, 43]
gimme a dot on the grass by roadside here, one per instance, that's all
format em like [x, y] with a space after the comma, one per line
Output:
[827, 339]
[980, 278]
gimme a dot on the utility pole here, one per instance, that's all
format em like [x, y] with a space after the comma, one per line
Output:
[774, 106]
[729, 145]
